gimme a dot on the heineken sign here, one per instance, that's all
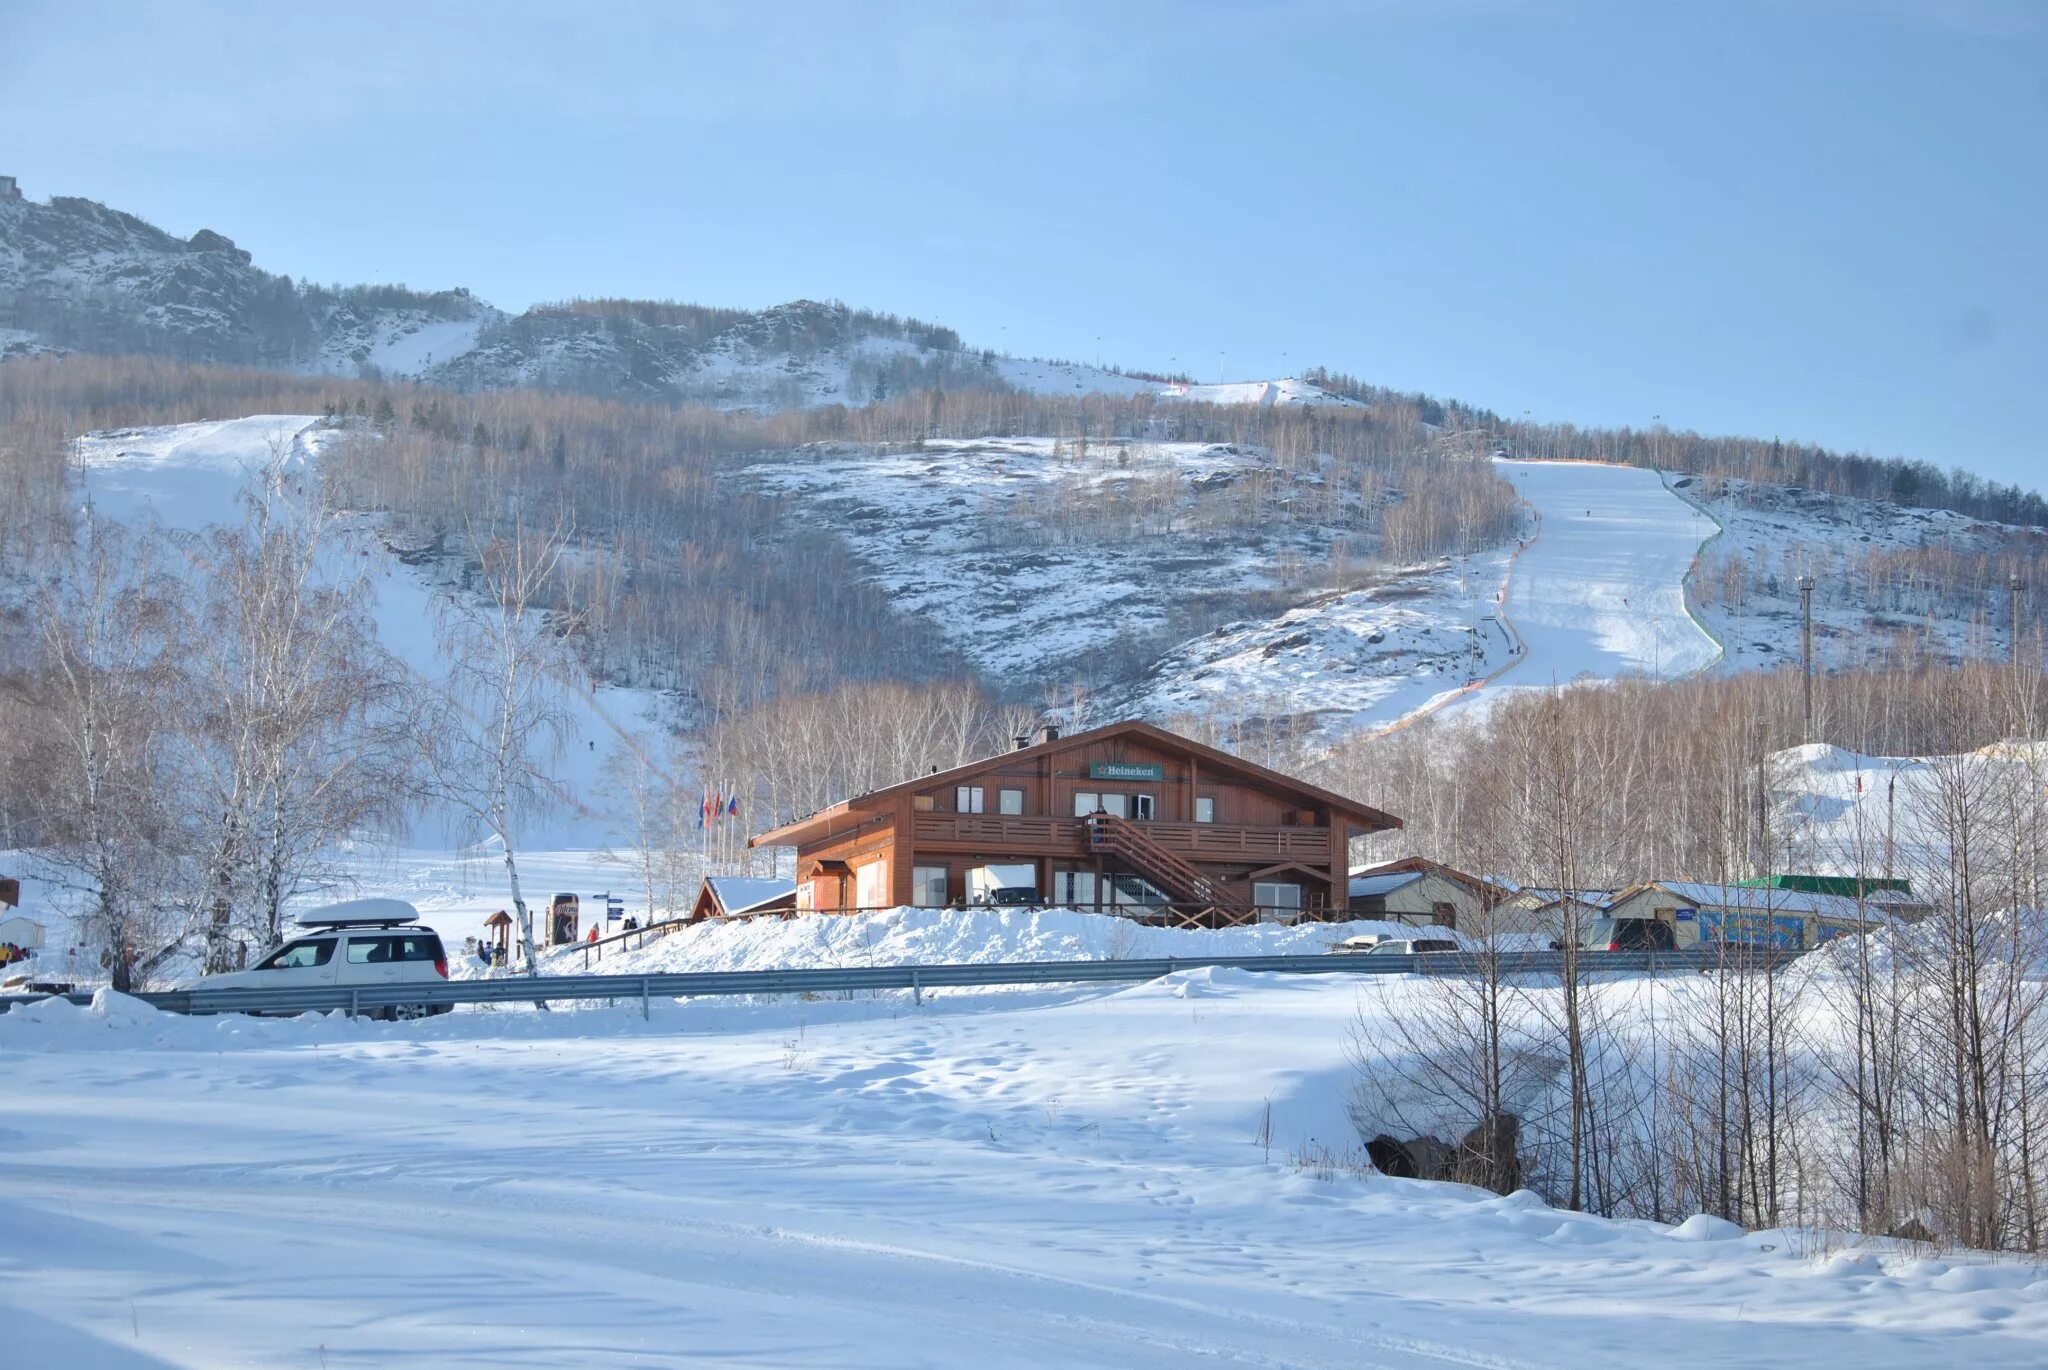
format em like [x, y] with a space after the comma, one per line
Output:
[1124, 770]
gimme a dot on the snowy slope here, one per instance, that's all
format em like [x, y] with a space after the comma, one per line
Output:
[1075, 378]
[1747, 586]
[188, 476]
[1600, 590]
[1006, 547]
[1036, 1179]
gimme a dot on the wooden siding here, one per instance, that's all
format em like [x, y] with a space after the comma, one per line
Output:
[1069, 837]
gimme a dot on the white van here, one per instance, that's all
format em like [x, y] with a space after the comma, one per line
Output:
[363, 942]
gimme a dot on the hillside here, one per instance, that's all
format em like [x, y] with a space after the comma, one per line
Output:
[76, 275]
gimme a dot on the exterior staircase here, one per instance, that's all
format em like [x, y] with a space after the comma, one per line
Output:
[1113, 836]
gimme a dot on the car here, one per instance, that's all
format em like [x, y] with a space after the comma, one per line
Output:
[1629, 934]
[1413, 946]
[365, 942]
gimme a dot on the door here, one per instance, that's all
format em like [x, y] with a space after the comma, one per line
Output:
[296, 965]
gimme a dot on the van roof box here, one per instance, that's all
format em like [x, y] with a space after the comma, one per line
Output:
[359, 913]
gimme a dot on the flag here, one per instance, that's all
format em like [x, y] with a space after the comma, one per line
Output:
[717, 805]
[733, 806]
[703, 808]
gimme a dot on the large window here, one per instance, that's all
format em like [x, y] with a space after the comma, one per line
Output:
[928, 887]
[1073, 889]
[1205, 808]
[1115, 805]
[1010, 801]
[871, 885]
[1276, 898]
[969, 799]
[1086, 803]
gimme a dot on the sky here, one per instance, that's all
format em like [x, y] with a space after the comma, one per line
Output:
[1813, 219]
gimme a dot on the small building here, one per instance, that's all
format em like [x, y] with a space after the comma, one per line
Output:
[1537, 911]
[1759, 914]
[498, 932]
[1414, 889]
[9, 190]
[22, 931]
[741, 896]
[1126, 818]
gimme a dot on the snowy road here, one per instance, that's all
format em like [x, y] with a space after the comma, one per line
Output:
[1033, 1179]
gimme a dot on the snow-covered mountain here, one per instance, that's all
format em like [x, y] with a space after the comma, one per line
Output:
[78, 276]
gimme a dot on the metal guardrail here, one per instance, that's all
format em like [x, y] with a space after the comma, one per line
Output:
[521, 989]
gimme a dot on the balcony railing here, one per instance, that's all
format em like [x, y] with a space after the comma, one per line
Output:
[1069, 836]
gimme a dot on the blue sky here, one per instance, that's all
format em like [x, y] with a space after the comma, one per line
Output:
[1819, 219]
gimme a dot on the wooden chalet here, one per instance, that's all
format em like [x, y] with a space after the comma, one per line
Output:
[1127, 818]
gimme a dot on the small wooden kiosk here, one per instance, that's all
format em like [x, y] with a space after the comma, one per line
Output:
[498, 932]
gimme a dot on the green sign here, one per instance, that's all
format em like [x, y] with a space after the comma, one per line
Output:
[1124, 770]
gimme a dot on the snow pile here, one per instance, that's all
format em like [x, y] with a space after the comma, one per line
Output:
[979, 936]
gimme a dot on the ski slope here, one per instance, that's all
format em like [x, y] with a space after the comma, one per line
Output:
[1043, 1178]
[1598, 590]
[187, 477]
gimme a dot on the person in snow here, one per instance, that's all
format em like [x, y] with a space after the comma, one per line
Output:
[593, 933]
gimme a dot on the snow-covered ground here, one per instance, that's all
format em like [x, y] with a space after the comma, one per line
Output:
[1599, 592]
[186, 477]
[1009, 548]
[1043, 1178]
[1748, 585]
[908, 937]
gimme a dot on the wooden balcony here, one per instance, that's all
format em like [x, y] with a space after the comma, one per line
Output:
[996, 834]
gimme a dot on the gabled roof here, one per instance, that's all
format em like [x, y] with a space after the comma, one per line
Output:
[744, 894]
[1372, 886]
[1367, 817]
[1421, 865]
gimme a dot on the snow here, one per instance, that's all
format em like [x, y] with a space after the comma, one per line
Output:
[1044, 1178]
[972, 936]
[1599, 592]
[1075, 378]
[975, 538]
[738, 893]
[188, 476]
[1778, 532]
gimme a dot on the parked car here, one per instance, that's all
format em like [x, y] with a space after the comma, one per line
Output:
[1374, 944]
[351, 946]
[1629, 934]
[1015, 896]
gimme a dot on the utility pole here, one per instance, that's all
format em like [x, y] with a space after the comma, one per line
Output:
[1806, 646]
[2016, 591]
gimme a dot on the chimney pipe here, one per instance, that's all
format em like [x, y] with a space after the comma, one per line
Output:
[1049, 733]
[1023, 740]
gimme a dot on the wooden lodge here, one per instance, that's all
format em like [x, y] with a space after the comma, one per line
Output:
[1126, 818]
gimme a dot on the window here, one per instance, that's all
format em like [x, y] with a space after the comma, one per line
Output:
[1086, 803]
[1073, 889]
[300, 956]
[1134, 889]
[1444, 915]
[1143, 805]
[1009, 801]
[1205, 808]
[928, 887]
[377, 951]
[1276, 898]
[871, 884]
[1113, 805]
[969, 799]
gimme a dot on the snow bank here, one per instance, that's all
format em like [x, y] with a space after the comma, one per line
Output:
[906, 936]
